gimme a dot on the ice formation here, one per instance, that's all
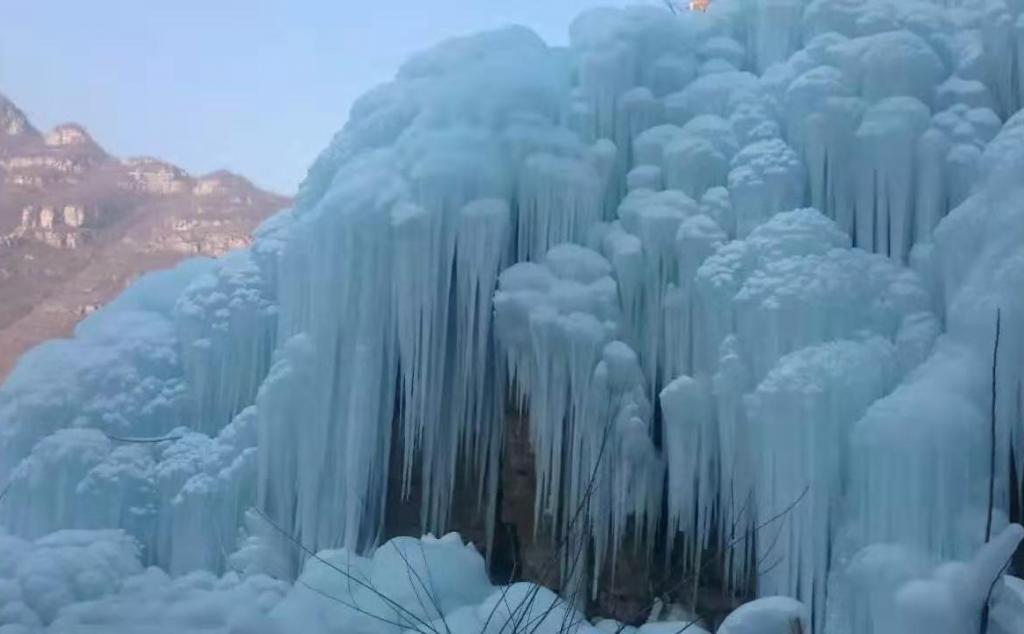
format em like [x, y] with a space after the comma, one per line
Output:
[739, 269]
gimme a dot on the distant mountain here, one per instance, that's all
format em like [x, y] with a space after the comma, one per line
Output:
[77, 224]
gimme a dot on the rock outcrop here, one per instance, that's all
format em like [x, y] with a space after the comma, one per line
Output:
[77, 225]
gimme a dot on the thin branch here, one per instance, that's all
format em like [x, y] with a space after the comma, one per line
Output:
[992, 463]
[359, 582]
[411, 573]
[523, 608]
[504, 597]
[729, 546]
[142, 441]
[775, 564]
[988, 595]
[770, 549]
[433, 588]
[992, 417]
[401, 626]
[743, 510]
[582, 511]
[326, 595]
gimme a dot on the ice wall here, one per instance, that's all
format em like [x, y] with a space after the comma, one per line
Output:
[740, 269]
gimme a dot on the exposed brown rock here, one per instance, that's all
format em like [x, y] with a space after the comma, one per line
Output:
[524, 551]
[77, 225]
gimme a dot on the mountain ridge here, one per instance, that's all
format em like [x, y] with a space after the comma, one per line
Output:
[78, 223]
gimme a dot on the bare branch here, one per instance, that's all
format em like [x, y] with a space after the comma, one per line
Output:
[402, 626]
[359, 582]
[411, 574]
[992, 418]
[522, 610]
[728, 547]
[992, 462]
[141, 441]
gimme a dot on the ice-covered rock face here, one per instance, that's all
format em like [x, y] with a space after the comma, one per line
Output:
[590, 417]
[739, 269]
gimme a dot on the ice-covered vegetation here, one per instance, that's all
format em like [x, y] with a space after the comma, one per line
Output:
[740, 269]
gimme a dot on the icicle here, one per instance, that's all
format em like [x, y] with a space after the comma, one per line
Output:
[671, 73]
[713, 94]
[779, 288]
[283, 397]
[722, 276]
[645, 177]
[887, 140]
[952, 599]
[776, 31]
[698, 158]
[1004, 51]
[589, 417]
[766, 178]
[638, 110]
[800, 416]
[481, 251]
[716, 204]
[617, 53]
[649, 145]
[655, 219]
[957, 91]
[696, 240]
[893, 463]
[206, 513]
[611, 172]
[338, 490]
[226, 324]
[725, 49]
[735, 462]
[895, 63]
[52, 472]
[821, 121]
[559, 199]
[604, 75]
[691, 447]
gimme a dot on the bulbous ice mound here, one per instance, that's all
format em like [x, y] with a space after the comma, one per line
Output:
[738, 269]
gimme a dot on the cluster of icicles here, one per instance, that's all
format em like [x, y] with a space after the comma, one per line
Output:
[727, 217]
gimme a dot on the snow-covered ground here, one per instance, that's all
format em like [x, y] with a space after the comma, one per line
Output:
[785, 226]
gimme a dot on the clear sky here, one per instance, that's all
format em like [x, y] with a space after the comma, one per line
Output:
[255, 86]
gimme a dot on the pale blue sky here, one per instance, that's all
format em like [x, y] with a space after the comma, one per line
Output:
[256, 86]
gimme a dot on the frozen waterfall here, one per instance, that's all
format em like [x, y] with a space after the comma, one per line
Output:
[739, 270]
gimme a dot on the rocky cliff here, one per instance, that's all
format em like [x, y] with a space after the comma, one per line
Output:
[77, 224]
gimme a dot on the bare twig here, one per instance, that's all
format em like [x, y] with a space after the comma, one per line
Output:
[359, 582]
[729, 546]
[770, 520]
[326, 595]
[431, 593]
[992, 417]
[988, 595]
[768, 551]
[521, 611]
[142, 441]
[992, 462]
[503, 599]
